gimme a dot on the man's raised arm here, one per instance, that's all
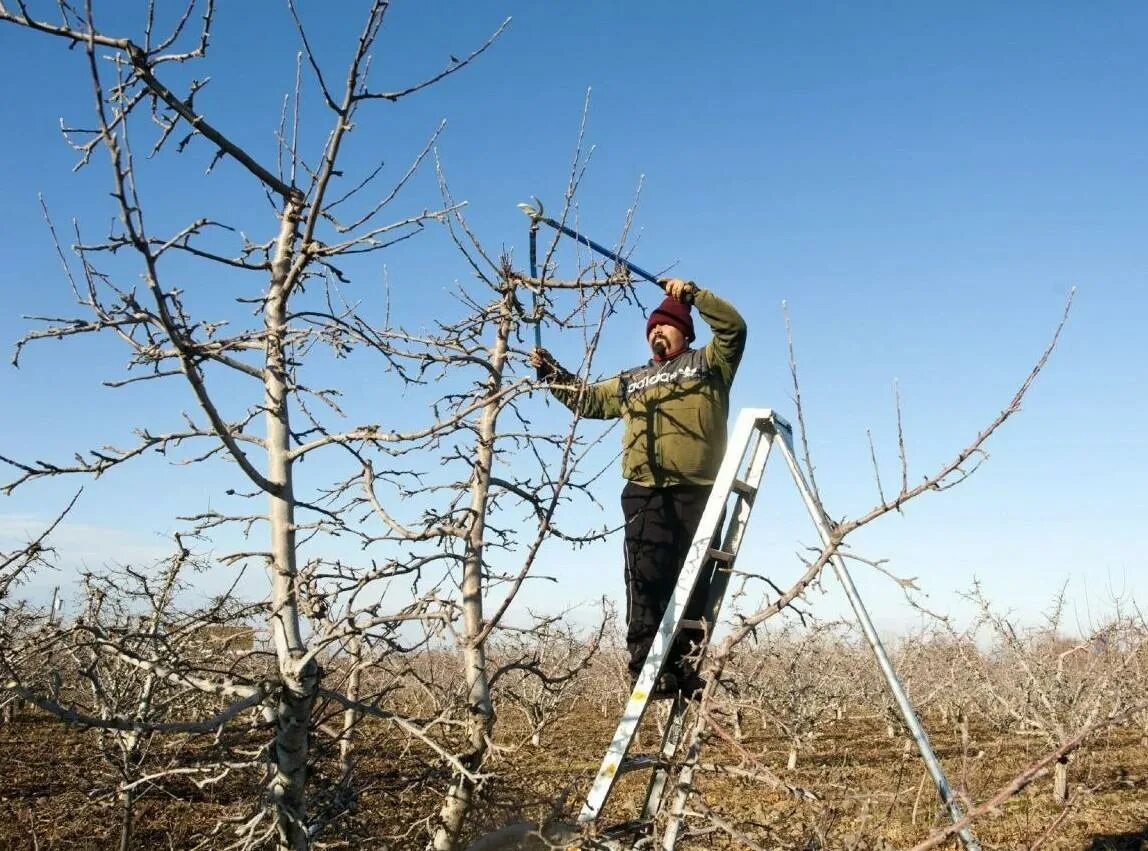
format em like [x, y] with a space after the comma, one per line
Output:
[598, 401]
[729, 331]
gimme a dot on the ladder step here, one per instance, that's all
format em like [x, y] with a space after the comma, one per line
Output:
[632, 829]
[686, 623]
[744, 488]
[720, 555]
[637, 762]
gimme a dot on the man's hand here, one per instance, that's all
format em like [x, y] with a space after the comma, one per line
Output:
[676, 288]
[543, 363]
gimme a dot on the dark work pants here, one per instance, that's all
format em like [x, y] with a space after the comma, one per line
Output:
[660, 525]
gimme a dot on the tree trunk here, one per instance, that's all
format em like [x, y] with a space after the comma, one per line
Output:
[292, 743]
[128, 799]
[480, 717]
[792, 763]
[298, 675]
[350, 714]
[130, 741]
[1060, 781]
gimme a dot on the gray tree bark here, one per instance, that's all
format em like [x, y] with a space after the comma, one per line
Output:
[480, 712]
[299, 674]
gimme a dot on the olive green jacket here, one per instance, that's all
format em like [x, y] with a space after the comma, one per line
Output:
[675, 411]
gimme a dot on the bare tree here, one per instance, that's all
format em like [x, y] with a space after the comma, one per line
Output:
[791, 683]
[1053, 685]
[537, 668]
[21, 623]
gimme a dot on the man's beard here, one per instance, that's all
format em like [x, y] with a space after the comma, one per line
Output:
[659, 347]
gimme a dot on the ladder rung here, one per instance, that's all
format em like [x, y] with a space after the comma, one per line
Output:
[627, 828]
[686, 623]
[720, 555]
[744, 488]
[637, 762]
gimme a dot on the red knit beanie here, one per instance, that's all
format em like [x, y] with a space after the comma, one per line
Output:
[672, 312]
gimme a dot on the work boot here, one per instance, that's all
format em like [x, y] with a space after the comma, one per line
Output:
[672, 685]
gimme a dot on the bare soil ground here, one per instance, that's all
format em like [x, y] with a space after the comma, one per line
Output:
[57, 791]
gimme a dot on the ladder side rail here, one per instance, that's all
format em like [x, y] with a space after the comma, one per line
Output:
[732, 543]
[698, 553]
[738, 525]
[696, 558]
[672, 738]
[719, 582]
[683, 790]
[890, 675]
[754, 474]
[717, 589]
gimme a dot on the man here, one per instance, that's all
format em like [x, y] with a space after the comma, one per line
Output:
[675, 410]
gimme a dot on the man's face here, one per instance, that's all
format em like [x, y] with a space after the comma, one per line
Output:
[665, 339]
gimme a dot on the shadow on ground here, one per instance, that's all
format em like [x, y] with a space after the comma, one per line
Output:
[1137, 841]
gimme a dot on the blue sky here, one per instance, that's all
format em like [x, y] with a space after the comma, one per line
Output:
[921, 184]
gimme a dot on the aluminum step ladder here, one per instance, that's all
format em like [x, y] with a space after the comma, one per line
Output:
[714, 549]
